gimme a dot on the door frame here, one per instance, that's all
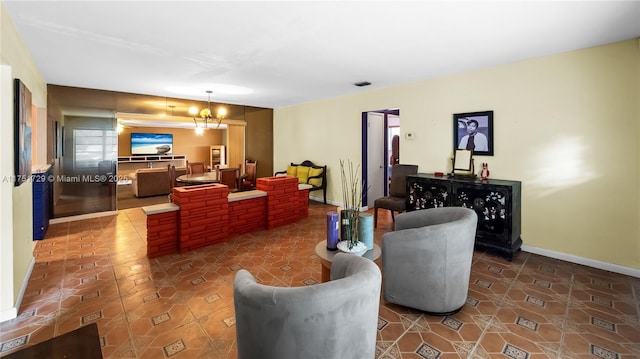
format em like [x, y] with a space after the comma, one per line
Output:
[365, 143]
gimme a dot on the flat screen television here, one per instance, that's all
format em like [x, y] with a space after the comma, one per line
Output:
[151, 144]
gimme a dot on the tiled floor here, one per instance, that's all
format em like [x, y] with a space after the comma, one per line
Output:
[181, 306]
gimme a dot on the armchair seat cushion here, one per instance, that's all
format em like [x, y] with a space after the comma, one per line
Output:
[397, 204]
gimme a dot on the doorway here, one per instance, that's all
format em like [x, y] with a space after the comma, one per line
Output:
[86, 181]
[378, 129]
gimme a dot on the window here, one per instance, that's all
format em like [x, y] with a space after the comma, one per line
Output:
[92, 146]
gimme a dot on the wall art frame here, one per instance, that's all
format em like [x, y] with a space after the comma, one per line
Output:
[22, 132]
[480, 124]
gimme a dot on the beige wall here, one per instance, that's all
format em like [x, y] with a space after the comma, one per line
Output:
[16, 238]
[567, 126]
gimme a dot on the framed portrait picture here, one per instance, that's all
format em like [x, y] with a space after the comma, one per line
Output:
[22, 132]
[474, 131]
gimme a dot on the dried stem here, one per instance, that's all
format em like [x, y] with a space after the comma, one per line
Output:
[351, 196]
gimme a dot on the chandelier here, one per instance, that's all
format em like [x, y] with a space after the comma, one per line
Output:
[207, 116]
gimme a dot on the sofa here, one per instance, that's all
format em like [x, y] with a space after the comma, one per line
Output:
[147, 182]
[310, 174]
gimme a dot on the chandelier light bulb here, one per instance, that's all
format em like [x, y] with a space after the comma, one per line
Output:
[199, 131]
[205, 113]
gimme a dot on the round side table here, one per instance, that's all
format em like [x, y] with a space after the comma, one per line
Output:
[326, 257]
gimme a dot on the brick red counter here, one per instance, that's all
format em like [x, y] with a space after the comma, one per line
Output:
[162, 230]
[207, 214]
[247, 215]
[282, 199]
[302, 208]
[203, 217]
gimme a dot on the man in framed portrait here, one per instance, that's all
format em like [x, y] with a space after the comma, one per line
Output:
[473, 140]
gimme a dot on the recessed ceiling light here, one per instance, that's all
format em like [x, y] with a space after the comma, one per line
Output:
[362, 83]
[218, 89]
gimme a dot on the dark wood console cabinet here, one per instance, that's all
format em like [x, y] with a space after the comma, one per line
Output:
[497, 203]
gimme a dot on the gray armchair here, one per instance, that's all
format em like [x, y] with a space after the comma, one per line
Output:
[336, 319]
[426, 261]
[397, 198]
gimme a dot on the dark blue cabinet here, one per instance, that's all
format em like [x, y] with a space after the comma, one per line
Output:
[42, 201]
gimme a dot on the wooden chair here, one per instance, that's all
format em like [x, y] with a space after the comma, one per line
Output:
[172, 175]
[230, 177]
[196, 167]
[396, 200]
[248, 180]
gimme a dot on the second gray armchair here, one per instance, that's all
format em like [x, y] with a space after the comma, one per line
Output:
[426, 261]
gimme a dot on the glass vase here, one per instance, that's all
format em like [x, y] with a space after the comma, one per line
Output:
[349, 225]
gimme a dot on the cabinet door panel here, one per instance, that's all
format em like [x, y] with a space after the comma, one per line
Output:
[492, 206]
[423, 194]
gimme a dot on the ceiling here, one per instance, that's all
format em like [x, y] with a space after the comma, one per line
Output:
[274, 54]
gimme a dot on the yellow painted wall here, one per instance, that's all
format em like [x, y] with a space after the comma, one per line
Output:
[16, 233]
[566, 125]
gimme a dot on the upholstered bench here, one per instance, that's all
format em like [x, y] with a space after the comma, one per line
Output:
[310, 174]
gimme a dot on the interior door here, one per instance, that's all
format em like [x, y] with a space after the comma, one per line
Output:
[375, 157]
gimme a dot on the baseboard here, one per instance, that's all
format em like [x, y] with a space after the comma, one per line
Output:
[12, 313]
[321, 200]
[633, 272]
[8, 314]
[82, 216]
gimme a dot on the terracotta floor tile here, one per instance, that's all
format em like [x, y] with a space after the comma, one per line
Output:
[181, 305]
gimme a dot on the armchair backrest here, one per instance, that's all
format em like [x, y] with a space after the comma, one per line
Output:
[196, 167]
[250, 170]
[315, 321]
[230, 177]
[399, 173]
[431, 217]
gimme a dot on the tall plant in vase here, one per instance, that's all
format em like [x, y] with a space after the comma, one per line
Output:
[352, 200]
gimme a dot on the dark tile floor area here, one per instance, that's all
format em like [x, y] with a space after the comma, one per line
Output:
[181, 306]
